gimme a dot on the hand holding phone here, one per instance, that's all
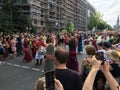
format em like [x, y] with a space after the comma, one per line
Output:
[100, 56]
[49, 78]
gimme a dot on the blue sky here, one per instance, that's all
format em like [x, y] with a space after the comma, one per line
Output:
[108, 8]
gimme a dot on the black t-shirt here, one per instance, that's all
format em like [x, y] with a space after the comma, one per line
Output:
[116, 70]
[70, 80]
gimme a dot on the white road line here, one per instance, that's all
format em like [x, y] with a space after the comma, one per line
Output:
[42, 71]
[35, 69]
[9, 64]
[2, 62]
[25, 67]
[16, 65]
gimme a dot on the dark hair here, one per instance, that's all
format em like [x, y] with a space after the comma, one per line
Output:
[61, 55]
[50, 39]
[72, 44]
[107, 44]
[90, 50]
[100, 44]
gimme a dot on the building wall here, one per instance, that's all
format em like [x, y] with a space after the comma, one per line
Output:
[55, 14]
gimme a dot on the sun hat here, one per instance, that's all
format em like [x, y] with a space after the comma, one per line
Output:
[113, 55]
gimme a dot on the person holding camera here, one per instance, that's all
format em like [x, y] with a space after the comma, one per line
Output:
[70, 79]
[86, 68]
[86, 62]
[88, 84]
[96, 65]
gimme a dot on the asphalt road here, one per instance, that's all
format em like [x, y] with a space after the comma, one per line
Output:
[18, 75]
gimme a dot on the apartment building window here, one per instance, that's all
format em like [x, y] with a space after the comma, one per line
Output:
[14, 1]
[23, 1]
[42, 22]
[41, 4]
[34, 10]
[42, 12]
[35, 21]
[51, 6]
[25, 8]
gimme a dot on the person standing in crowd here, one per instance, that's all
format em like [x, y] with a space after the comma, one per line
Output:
[86, 68]
[34, 47]
[19, 46]
[96, 65]
[86, 62]
[2, 51]
[114, 66]
[70, 79]
[67, 38]
[108, 48]
[62, 38]
[100, 49]
[88, 84]
[49, 60]
[80, 48]
[28, 56]
[73, 62]
[39, 55]
[13, 46]
[94, 42]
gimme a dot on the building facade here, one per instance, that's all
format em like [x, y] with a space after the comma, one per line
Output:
[55, 14]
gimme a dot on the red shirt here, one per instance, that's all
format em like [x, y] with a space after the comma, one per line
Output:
[40, 43]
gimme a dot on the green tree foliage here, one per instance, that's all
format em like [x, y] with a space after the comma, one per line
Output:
[70, 27]
[97, 22]
[94, 20]
[11, 18]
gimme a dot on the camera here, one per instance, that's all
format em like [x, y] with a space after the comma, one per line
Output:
[49, 78]
[100, 56]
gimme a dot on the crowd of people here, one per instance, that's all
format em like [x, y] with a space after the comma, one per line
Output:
[69, 74]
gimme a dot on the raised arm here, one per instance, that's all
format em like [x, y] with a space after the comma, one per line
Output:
[88, 84]
[111, 80]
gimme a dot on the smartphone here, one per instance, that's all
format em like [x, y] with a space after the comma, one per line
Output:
[49, 78]
[100, 56]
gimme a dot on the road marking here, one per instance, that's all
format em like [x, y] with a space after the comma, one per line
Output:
[35, 69]
[9, 64]
[42, 71]
[2, 62]
[16, 65]
[25, 67]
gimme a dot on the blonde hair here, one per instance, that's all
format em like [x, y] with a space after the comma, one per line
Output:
[90, 50]
[39, 84]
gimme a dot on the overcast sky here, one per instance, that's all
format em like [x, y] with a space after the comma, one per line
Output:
[108, 8]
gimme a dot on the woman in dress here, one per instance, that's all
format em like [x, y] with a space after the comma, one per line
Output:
[28, 56]
[80, 48]
[13, 46]
[73, 62]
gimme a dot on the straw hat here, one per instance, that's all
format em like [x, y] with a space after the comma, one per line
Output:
[113, 55]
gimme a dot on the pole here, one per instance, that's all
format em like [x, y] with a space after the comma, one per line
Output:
[28, 30]
[59, 16]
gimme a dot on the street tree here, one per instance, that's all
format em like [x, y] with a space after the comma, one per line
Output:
[95, 19]
[11, 18]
